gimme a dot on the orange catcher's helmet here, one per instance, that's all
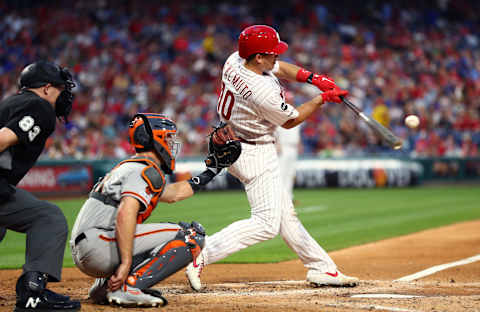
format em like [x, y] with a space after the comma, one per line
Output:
[260, 39]
[155, 132]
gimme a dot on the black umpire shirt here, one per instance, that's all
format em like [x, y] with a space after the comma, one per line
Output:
[33, 121]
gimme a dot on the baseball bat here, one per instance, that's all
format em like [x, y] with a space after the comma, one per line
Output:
[386, 135]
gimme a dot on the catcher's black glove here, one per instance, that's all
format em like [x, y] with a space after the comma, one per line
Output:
[224, 147]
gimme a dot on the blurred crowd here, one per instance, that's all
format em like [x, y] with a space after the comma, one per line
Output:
[395, 57]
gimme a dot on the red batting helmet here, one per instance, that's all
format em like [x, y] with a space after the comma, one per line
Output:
[260, 39]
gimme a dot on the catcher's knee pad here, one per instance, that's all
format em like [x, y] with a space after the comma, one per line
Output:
[169, 258]
[196, 230]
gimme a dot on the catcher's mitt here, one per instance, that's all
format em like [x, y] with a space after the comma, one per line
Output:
[224, 147]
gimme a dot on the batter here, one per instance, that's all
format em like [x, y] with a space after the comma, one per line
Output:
[252, 101]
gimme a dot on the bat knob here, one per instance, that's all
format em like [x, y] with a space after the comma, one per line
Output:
[398, 145]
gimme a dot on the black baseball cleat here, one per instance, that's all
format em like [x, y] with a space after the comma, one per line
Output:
[33, 296]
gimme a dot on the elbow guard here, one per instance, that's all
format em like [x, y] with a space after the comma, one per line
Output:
[198, 182]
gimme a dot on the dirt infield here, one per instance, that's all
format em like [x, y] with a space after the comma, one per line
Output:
[281, 286]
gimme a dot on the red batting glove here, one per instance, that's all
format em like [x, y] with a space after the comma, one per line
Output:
[324, 83]
[334, 95]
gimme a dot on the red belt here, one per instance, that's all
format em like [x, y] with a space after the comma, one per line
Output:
[255, 143]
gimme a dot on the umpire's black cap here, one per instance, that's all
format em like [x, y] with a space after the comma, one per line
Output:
[40, 73]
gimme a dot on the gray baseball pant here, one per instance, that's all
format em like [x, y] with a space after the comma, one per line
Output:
[46, 229]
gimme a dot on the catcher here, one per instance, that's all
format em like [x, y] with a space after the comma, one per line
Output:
[110, 240]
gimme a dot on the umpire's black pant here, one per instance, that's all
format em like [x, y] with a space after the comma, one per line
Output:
[46, 229]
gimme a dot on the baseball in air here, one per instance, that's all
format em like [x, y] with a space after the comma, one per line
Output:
[412, 121]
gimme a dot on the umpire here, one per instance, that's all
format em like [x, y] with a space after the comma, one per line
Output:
[27, 119]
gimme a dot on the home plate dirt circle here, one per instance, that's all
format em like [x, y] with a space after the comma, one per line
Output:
[273, 287]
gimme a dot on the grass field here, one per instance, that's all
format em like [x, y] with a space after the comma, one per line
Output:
[336, 218]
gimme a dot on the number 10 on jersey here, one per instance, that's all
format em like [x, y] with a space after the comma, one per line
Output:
[225, 103]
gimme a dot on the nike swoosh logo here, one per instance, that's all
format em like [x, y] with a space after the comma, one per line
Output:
[332, 274]
[195, 265]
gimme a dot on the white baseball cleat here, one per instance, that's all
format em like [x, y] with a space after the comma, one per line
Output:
[98, 291]
[193, 271]
[130, 297]
[317, 279]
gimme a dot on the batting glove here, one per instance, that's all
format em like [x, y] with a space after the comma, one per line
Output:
[334, 95]
[324, 83]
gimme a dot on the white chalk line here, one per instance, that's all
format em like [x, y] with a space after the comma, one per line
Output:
[275, 293]
[437, 268]
[368, 307]
[386, 296]
[280, 282]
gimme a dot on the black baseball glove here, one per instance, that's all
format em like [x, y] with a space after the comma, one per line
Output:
[224, 147]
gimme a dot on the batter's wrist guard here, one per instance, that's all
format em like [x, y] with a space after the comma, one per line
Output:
[198, 182]
[304, 75]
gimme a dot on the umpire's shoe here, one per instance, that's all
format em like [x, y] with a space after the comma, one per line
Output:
[33, 296]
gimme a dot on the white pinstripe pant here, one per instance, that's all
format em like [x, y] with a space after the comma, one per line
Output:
[287, 161]
[272, 213]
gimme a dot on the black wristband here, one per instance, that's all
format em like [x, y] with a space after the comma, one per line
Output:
[198, 182]
[310, 78]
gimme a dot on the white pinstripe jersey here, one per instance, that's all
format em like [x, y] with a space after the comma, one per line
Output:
[254, 105]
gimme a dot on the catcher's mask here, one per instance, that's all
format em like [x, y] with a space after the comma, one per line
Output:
[40, 73]
[155, 132]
